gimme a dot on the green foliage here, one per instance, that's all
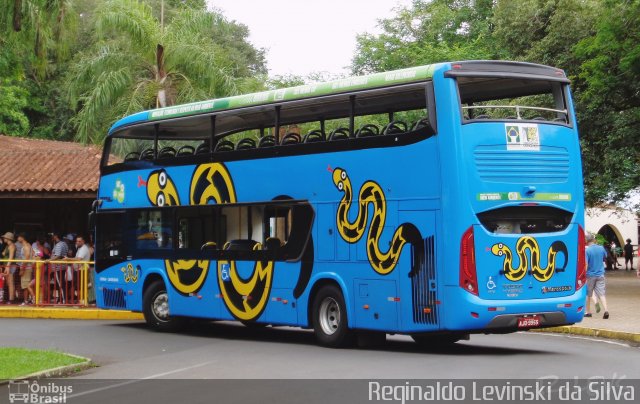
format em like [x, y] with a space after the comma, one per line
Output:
[428, 32]
[543, 31]
[137, 63]
[609, 103]
[284, 81]
[13, 99]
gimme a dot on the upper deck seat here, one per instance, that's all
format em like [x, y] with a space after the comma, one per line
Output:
[291, 138]
[367, 130]
[224, 146]
[340, 134]
[267, 141]
[246, 143]
[314, 136]
[394, 128]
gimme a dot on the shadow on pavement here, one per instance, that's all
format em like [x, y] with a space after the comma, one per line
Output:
[290, 335]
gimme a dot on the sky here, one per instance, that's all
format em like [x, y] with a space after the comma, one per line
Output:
[303, 37]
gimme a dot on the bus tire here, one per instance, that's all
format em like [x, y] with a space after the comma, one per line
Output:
[436, 341]
[155, 307]
[330, 322]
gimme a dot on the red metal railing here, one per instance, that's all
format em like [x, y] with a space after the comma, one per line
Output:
[48, 283]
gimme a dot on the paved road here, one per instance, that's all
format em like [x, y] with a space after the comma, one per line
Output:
[127, 350]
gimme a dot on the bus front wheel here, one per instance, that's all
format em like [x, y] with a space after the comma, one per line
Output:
[330, 318]
[155, 307]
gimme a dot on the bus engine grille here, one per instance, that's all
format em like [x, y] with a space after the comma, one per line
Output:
[549, 165]
[114, 298]
[423, 285]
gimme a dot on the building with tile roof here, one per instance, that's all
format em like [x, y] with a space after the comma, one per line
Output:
[46, 185]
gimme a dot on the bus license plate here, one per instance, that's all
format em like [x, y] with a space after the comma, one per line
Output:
[531, 321]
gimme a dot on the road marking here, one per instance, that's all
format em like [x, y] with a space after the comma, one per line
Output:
[581, 337]
[157, 375]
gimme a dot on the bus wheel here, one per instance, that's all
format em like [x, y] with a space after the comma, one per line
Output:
[436, 341]
[330, 318]
[155, 307]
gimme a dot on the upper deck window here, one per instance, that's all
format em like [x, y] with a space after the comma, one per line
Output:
[512, 98]
[367, 118]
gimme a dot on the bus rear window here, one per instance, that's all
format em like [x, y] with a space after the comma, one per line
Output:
[525, 220]
[499, 98]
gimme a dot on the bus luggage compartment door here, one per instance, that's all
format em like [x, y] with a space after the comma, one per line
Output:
[376, 304]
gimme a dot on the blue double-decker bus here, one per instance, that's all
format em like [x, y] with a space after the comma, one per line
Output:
[435, 201]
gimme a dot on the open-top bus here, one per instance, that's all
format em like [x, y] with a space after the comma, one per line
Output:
[434, 201]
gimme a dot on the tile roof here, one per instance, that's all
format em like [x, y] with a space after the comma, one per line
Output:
[34, 165]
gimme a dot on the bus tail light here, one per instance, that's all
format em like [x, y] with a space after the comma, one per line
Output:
[581, 271]
[468, 276]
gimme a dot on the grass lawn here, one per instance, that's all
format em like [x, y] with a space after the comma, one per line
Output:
[16, 362]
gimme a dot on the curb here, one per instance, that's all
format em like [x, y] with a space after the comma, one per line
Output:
[57, 372]
[68, 313]
[593, 332]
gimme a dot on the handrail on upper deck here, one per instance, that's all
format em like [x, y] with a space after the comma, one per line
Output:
[517, 108]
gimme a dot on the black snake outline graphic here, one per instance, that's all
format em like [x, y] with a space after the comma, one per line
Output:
[383, 262]
[529, 244]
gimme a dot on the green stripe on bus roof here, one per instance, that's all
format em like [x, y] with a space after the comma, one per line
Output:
[293, 93]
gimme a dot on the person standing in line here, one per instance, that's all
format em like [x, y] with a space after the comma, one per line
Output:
[628, 255]
[9, 253]
[26, 271]
[58, 253]
[596, 256]
[82, 254]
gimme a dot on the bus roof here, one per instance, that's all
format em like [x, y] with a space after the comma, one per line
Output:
[366, 82]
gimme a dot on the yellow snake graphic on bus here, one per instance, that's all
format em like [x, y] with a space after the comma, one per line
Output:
[245, 298]
[528, 253]
[370, 194]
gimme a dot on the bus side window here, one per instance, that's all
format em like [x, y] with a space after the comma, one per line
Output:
[277, 223]
[196, 228]
[153, 229]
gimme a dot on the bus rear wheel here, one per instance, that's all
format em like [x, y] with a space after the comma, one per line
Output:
[155, 307]
[330, 323]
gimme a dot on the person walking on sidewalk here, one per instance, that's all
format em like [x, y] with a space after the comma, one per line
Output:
[628, 255]
[596, 256]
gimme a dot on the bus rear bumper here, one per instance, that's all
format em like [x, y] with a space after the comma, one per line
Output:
[510, 321]
[476, 314]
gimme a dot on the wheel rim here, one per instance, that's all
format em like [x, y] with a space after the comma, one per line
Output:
[329, 315]
[160, 306]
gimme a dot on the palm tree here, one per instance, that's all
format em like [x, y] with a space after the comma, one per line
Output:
[137, 63]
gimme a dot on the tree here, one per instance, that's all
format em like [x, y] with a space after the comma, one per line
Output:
[48, 27]
[610, 102]
[543, 31]
[428, 32]
[36, 38]
[137, 63]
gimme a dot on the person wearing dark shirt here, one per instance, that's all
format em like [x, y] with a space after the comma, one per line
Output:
[628, 256]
